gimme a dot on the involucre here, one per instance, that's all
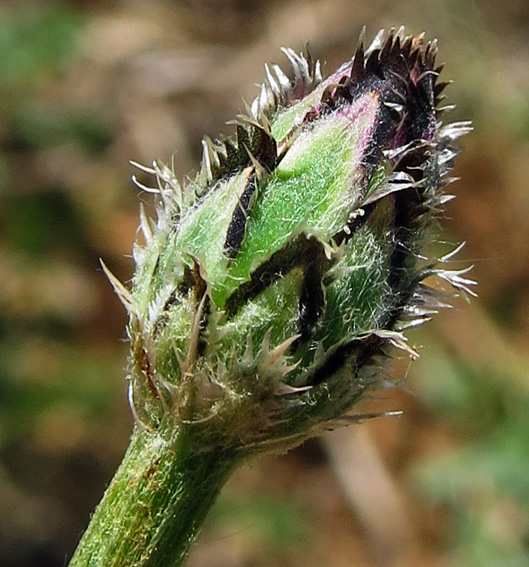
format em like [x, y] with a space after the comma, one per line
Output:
[270, 287]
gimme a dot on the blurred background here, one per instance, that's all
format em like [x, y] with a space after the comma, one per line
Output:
[86, 86]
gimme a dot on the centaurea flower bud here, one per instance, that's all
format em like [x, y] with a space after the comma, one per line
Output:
[270, 288]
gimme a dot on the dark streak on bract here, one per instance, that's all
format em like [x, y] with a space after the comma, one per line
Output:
[299, 252]
[237, 228]
[363, 349]
[312, 297]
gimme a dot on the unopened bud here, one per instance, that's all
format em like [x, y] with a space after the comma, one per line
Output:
[270, 288]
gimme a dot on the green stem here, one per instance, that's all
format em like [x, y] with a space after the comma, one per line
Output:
[156, 503]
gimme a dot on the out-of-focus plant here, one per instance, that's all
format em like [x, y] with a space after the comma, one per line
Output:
[271, 288]
[482, 486]
[35, 42]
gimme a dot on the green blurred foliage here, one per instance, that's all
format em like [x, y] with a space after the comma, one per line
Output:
[274, 523]
[483, 483]
[37, 223]
[36, 38]
[40, 128]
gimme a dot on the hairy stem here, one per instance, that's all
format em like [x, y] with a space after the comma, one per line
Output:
[156, 503]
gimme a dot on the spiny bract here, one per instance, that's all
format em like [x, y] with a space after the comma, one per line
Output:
[270, 288]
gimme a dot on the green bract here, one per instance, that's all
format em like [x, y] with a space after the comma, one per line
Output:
[270, 287]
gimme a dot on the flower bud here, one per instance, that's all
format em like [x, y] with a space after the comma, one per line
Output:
[271, 287]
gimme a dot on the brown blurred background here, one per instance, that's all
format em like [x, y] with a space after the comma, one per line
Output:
[87, 85]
